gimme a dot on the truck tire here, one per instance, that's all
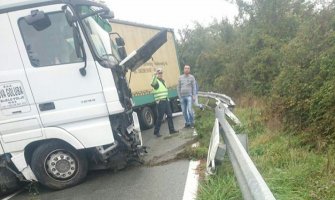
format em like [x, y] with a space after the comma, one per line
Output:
[147, 118]
[8, 182]
[57, 165]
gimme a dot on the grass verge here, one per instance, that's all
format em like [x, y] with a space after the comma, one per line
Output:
[291, 170]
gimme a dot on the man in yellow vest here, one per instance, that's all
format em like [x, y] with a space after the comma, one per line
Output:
[160, 93]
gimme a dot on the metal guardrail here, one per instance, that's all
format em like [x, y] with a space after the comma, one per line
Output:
[221, 97]
[249, 179]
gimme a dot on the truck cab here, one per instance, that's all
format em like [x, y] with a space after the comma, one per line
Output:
[65, 104]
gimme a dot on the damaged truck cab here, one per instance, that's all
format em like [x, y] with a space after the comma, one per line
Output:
[65, 104]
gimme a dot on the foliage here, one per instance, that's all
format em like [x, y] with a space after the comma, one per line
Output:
[279, 49]
[204, 122]
[304, 90]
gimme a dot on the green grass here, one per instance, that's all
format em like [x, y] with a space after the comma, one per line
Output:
[204, 121]
[220, 186]
[291, 170]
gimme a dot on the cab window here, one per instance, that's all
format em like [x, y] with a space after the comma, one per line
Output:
[51, 46]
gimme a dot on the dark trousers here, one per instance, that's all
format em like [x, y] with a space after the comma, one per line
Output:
[163, 107]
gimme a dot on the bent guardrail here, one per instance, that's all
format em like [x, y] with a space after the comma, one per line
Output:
[250, 181]
[222, 97]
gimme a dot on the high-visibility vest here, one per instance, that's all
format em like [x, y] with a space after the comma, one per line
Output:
[161, 92]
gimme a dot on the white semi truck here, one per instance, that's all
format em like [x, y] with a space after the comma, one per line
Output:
[65, 103]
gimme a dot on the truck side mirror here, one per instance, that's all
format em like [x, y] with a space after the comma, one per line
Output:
[120, 41]
[38, 19]
[122, 52]
[120, 47]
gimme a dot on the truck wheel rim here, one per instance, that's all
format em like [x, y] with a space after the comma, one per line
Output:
[148, 117]
[61, 165]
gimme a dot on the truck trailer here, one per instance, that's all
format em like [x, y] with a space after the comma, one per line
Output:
[134, 35]
[65, 103]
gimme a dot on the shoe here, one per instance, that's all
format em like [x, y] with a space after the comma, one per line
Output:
[174, 131]
[192, 126]
[187, 126]
[158, 135]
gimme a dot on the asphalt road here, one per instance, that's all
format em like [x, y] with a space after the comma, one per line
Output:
[161, 177]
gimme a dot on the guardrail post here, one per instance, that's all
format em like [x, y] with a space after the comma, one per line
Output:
[243, 138]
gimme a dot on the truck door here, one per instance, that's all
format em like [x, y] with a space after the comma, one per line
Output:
[19, 120]
[52, 65]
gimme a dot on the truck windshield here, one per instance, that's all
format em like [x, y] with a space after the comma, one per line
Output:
[104, 47]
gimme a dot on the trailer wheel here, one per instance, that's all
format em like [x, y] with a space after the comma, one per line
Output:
[147, 118]
[57, 165]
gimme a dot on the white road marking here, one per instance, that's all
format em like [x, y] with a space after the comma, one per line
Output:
[191, 186]
[12, 195]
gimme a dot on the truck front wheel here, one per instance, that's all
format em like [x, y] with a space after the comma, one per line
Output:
[57, 165]
[147, 118]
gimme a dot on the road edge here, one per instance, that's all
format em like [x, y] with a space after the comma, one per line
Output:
[192, 181]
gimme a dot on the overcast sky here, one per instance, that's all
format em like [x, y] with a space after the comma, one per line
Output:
[176, 14]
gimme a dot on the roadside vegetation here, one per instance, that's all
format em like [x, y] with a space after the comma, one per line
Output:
[281, 50]
[291, 170]
[277, 60]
